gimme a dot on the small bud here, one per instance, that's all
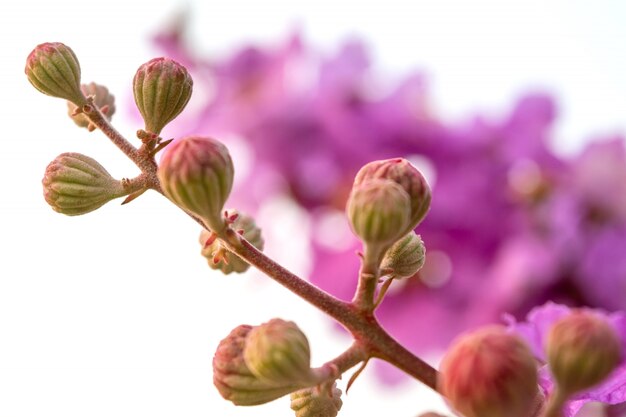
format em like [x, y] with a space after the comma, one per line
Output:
[53, 69]
[379, 212]
[196, 173]
[278, 352]
[101, 99]
[489, 373]
[582, 350]
[405, 257]
[408, 177]
[76, 184]
[318, 401]
[232, 377]
[162, 88]
[219, 257]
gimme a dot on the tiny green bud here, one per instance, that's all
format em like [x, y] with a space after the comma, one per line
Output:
[76, 184]
[162, 88]
[196, 173]
[379, 212]
[489, 373]
[582, 350]
[408, 177]
[219, 257]
[232, 377]
[278, 352]
[318, 401]
[102, 99]
[53, 69]
[405, 257]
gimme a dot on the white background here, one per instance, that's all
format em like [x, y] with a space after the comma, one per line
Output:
[115, 313]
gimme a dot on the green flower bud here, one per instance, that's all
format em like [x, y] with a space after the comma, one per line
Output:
[196, 173]
[76, 184]
[278, 352]
[219, 257]
[162, 88]
[408, 177]
[232, 377]
[318, 401]
[102, 99]
[379, 212]
[489, 373]
[582, 350]
[53, 69]
[405, 257]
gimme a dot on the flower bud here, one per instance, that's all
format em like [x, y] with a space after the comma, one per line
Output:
[278, 352]
[318, 401]
[232, 377]
[196, 173]
[162, 88]
[102, 99]
[408, 177]
[76, 184]
[379, 212]
[489, 373]
[405, 257]
[219, 257]
[53, 69]
[582, 350]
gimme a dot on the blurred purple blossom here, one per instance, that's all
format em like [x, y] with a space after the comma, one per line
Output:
[535, 330]
[512, 223]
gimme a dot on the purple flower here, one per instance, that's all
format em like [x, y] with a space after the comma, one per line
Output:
[535, 330]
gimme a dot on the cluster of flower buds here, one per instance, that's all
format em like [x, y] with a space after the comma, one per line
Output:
[388, 200]
[255, 365]
[582, 350]
[217, 254]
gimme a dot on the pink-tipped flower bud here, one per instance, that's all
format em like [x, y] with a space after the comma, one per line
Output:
[53, 69]
[582, 350]
[489, 373]
[405, 257]
[408, 177]
[379, 212]
[102, 99]
[217, 254]
[162, 88]
[76, 184]
[318, 401]
[232, 377]
[197, 173]
[278, 352]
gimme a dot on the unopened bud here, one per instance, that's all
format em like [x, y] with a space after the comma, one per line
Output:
[489, 373]
[278, 352]
[582, 350]
[379, 212]
[318, 401]
[408, 177]
[102, 99]
[53, 69]
[405, 257]
[162, 88]
[196, 173]
[77, 184]
[232, 377]
[219, 257]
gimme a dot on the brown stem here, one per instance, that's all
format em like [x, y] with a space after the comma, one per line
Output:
[363, 325]
[368, 279]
